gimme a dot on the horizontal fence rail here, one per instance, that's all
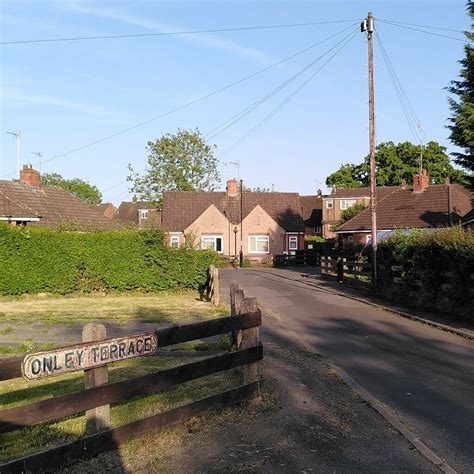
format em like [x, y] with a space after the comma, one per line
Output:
[11, 368]
[89, 446]
[77, 402]
[245, 321]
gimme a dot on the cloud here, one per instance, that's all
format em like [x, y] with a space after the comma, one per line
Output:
[209, 40]
[13, 96]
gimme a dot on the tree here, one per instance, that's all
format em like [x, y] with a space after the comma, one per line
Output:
[395, 162]
[348, 214]
[179, 162]
[462, 118]
[81, 189]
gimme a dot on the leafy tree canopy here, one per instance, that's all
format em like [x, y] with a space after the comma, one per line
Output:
[179, 162]
[348, 214]
[395, 162]
[81, 189]
[462, 105]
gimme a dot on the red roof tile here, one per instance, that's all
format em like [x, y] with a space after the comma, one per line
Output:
[181, 208]
[404, 208]
[53, 205]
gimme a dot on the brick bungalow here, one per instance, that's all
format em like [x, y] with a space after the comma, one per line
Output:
[139, 213]
[272, 223]
[421, 206]
[27, 202]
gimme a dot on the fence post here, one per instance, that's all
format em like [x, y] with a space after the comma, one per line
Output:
[216, 297]
[97, 419]
[237, 299]
[250, 338]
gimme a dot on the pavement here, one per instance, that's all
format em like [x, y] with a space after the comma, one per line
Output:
[421, 374]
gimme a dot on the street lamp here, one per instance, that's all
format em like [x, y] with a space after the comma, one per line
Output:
[235, 241]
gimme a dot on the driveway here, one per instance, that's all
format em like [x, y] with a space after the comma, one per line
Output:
[425, 375]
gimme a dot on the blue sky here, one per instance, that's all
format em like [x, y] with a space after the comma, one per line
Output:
[67, 94]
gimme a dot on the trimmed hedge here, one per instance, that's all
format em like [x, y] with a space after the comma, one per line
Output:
[436, 258]
[34, 260]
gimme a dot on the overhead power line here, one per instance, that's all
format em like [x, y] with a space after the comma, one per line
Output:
[175, 33]
[423, 31]
[422, 26]
[225, 125]
[412, 119]
[249, 109]
[184, 106]
[286, 100]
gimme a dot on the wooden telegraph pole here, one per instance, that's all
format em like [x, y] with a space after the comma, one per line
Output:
[368, 25]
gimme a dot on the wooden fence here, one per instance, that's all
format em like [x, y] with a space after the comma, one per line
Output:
[350, 271]
[246, 352]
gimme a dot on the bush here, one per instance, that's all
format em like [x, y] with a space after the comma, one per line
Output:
[435, 258]
[34, 260]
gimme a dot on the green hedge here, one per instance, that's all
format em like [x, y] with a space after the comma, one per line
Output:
[34, 260]
[437, 258]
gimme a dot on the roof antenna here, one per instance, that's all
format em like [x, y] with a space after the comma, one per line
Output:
[421, 131]
[39, 154]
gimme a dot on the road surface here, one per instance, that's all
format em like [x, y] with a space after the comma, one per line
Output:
[422, 373]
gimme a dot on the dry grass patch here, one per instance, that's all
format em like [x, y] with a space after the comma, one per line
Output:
[157, 307]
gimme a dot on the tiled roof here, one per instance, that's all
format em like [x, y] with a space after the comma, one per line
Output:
[312, 210]
[346, 193]
[350, 192]
[404, 208]
[53, 205]
[128, 213]
[181, 208]
[8, 208]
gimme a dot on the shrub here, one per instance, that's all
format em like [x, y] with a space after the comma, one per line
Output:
[435, 258]
[36, 260]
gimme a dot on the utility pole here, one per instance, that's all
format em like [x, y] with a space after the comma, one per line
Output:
[241, 255]
[368, 25]
[17, 135]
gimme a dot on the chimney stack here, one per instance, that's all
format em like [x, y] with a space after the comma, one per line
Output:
[30, 176]
[232, 187]
[420, 182]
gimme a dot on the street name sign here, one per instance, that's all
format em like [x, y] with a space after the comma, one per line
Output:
[87, 355]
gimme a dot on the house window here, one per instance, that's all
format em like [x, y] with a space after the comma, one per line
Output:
[143, 213]
[293, 242]
[174, 241]
[259, 244]
[329, 204]
[350, 239]
[347, 203]
[214, 242]
[317, 229]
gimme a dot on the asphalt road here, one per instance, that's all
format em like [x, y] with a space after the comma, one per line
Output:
[424, 374]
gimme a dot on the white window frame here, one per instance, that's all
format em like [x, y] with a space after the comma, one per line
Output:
[292, 239]
[261, 238]
[143, 214]
[317, 229]
[174, 239]
[345, 203]
[329, 204]
[350, 239]
[214, 238]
